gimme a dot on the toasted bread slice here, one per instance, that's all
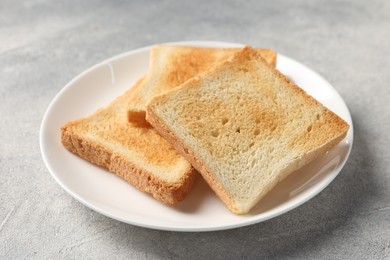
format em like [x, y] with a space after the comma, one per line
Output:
[244, 126]
[134, 152]
[170, 66]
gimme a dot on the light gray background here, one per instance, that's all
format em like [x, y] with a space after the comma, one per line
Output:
[44, 44]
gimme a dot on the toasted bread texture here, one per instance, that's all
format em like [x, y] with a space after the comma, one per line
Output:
[244, 126]
[170, 66]
[134, 152]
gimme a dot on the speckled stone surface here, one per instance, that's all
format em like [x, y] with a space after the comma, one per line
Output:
[44, 44]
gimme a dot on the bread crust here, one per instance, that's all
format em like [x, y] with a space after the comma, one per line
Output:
[76, 139]
[168, 193]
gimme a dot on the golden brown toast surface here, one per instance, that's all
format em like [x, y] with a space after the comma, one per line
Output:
[134, 152]
[244, 126]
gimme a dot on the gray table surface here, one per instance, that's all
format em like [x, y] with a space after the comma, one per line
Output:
[44, 44]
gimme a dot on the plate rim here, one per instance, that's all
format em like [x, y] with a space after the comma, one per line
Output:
[204, 228]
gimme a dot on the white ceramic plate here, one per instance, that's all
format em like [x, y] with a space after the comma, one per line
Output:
[201, 210]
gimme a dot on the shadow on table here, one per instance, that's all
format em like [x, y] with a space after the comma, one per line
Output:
[308, 226]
